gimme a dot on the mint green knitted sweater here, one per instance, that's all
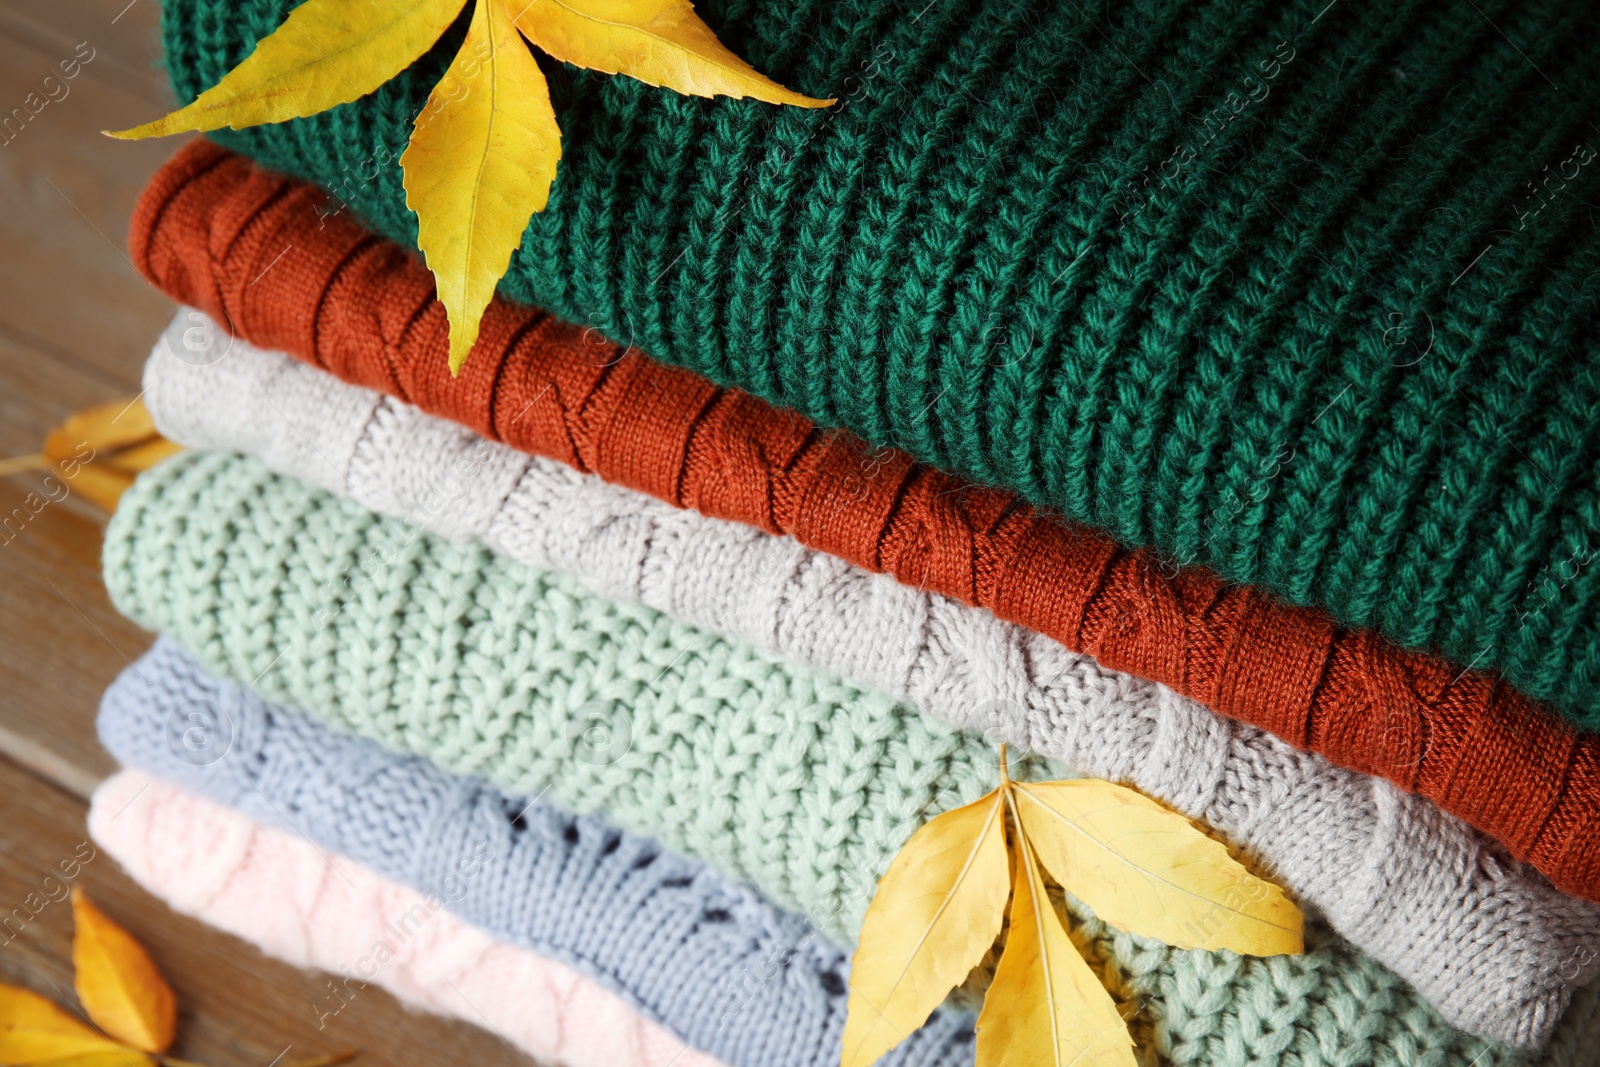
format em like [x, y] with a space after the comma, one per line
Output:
[803, 785]
[1304, 292]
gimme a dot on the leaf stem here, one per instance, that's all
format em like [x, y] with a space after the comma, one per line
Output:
[1005, 777]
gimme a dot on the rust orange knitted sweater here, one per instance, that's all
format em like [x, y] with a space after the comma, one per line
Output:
[254, 250]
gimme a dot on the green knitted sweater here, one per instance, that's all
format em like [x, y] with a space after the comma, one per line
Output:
[802, 785]
[1302, 292]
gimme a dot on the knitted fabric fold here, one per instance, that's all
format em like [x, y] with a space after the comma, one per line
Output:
[280, 893]
[709, 959]
[701, 954]
[1307, 295]
[802, 784]
[259, 253]
[1413, 888]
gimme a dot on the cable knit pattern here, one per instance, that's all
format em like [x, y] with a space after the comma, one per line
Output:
[409, 821]
[1413, 888]
[801, 784]
[1124, 259]
[251, 249]
[278, 892]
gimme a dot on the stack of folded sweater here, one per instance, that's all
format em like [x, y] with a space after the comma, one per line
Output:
[806, 456]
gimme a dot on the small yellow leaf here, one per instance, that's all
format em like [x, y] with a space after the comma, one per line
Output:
[34, 1030]
[326, 53]
[105, 428]
[118, 983]
[138, 458]
[1045, 1006]
[330, 1060]
[116, 1056]
[480, 163]
[101, 485]
[99, 450]
[936, 913]
[1148, 870]
[659, 42]
[17, 464]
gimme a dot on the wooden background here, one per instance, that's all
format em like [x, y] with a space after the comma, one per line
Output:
[76, 322]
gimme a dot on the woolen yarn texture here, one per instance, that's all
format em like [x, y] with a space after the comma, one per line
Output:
[1414, 888]
[707, 958]
[1304, 294]
[407, 820]
[801, 784]
[252, 249]
[277, 891]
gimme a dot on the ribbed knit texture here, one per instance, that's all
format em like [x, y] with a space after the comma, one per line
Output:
[1410, 886]
[278, 891]
[707, 958]
[801, 784]
[1125, 260]
[408, 821]
[251, 249]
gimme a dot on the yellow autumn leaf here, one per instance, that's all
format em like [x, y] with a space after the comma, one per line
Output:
[141, 457]
[112, 1057]
[101, 485]
[105, 428]
[936, 913]
[483, 152]
[34, 1030]
[1149, 871]
[326, 53]
[659, 42]
[480, 163]
[99, 450]
[1045, 1006]
[118, 983]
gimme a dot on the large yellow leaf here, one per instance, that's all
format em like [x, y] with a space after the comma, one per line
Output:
[480, 163]
[659, 42]
[326, 53]
[1046, 1007]
[112, 1057]
[118, 983]
[1147, 870]
[34, 1030]
[936, 912]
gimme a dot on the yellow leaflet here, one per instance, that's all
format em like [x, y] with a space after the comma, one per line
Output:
[659, 42]
[326, 1061]
[1147, 870]
[936, 912]
[1046, 1007]
[326, 53]
[111, 1057]
[33, 1030]
[104, 428]
[101, 485]
[480, 163]
[117, 982]
[141, 457]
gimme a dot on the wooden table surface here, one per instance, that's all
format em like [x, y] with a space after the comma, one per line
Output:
[76, 322]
